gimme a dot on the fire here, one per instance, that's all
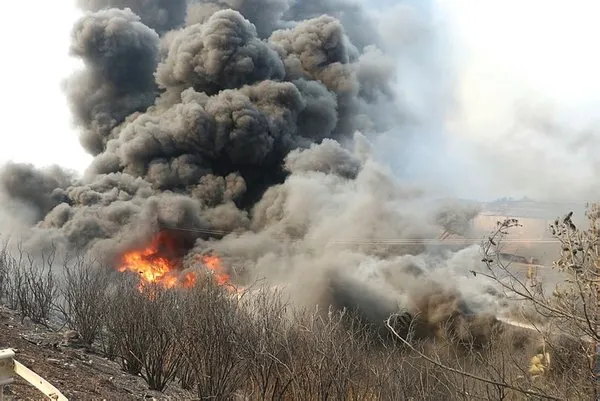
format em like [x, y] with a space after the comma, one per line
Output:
[159, 263]
[152, 267]
[215, 265]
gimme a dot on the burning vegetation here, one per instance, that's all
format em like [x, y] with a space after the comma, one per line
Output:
[215, 265]
[153, 265]
[158, 264]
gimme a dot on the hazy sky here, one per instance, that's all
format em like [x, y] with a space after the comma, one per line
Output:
[503, 53]
[529, 92]
[36, 60]
[508, 96]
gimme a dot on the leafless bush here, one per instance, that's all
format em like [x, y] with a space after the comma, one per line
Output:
[496, 371]
[257, 347]
[138, 323]
[84, 297]
[211, 329]
[265, 344]
[185, 375]
[553, 359]
[126, 333]
[163, 356]
[32, 288]
[327, 356]
[6, 267]
[573, 305]
[569, 314]
[401, 376]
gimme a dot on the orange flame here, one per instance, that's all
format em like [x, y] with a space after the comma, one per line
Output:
[215, 265]
[154, 268]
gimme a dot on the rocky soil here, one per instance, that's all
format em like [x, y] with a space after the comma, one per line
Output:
[79, 374]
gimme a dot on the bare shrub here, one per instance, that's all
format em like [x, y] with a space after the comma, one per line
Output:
[265, 345]
[84, 302]
[567, 314]
[185, 375]
[162, 358]
[126, 332]
[551, 358]
[402, 377]
[211, 329]
[494, 370]
[327, 356]
[6, 267]
[138, 323]
[32, 288]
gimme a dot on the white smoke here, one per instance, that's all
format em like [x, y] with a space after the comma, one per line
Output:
[500, 97]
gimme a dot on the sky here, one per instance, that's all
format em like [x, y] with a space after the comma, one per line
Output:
[38, 62]
[508, 92]
[508, 87]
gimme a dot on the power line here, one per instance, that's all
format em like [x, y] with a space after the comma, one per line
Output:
[384, 241]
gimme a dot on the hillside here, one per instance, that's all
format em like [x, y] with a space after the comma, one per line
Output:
[79, 375]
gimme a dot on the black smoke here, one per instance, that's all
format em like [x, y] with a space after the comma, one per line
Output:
[231, 120]
[160, 15]
[190, 121]
[120, 55]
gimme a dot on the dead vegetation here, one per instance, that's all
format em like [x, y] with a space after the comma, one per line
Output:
[84, 298]
[257, 346]
[31, 286]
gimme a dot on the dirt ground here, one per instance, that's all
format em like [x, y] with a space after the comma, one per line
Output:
[78, 374]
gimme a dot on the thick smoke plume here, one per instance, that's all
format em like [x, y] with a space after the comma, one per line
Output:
[159, 15]
[244, 126]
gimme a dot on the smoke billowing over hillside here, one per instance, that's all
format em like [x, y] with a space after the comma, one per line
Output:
[245, 127]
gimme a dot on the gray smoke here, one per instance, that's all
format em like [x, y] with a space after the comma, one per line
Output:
[223, 53]
[120, 55]
[237, 130]
[160, 15]
[40, 191]
[266, 15]
[360, 28]
[271, 15]
[455, 216]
